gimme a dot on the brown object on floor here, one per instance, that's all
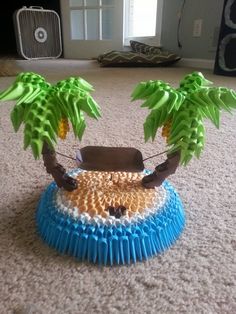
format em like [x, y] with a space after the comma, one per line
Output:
[110, 193]
[101, 158]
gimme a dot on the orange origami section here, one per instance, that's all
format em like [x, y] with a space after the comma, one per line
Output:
[97, 191]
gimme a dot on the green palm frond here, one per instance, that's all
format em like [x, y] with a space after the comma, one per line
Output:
[145, 89]
[41, 125]
[167, 97]
[74, 83]
[73, 98]
[227, 97]
[162, 100]
[193, 82]
[89, 106]
[25, 88]
[211, 101]
[185, 109]
[41, 106]
[17, 115]
[154, 120]
[77, 90]
[79, 125]
[220, 97]
[187, 133]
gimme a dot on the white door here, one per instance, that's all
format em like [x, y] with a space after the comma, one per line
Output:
[91, 27]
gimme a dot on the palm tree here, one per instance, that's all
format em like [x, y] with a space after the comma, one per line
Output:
[181, 113]
[45, 110]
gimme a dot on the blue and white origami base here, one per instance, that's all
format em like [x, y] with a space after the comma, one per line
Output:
[120, 242]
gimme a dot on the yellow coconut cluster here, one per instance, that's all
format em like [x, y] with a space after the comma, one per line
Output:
[63, 128]
[98, 190]
[166, 130]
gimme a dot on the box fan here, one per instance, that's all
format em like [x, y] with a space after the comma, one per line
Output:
[38, 33]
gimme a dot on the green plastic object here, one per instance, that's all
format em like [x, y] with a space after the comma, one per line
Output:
[41, 106]
[186, 108]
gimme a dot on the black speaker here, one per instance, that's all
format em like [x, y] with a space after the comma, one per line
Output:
[225, 62]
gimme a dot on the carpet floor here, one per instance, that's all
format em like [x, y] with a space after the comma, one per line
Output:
[196, 275]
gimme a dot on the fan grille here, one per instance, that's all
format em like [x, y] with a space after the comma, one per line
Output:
[39, 34]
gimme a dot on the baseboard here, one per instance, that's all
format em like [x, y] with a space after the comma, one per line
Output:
[196, 63]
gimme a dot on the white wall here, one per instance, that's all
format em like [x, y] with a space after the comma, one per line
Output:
[204, 47]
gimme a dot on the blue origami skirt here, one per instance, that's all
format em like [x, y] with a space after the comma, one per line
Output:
[120, 241]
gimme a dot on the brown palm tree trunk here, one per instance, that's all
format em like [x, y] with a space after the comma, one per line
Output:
[162, 171]
[57, 170]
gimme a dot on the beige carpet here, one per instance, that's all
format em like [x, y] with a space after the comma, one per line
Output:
[9, 67]
[197, 275]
